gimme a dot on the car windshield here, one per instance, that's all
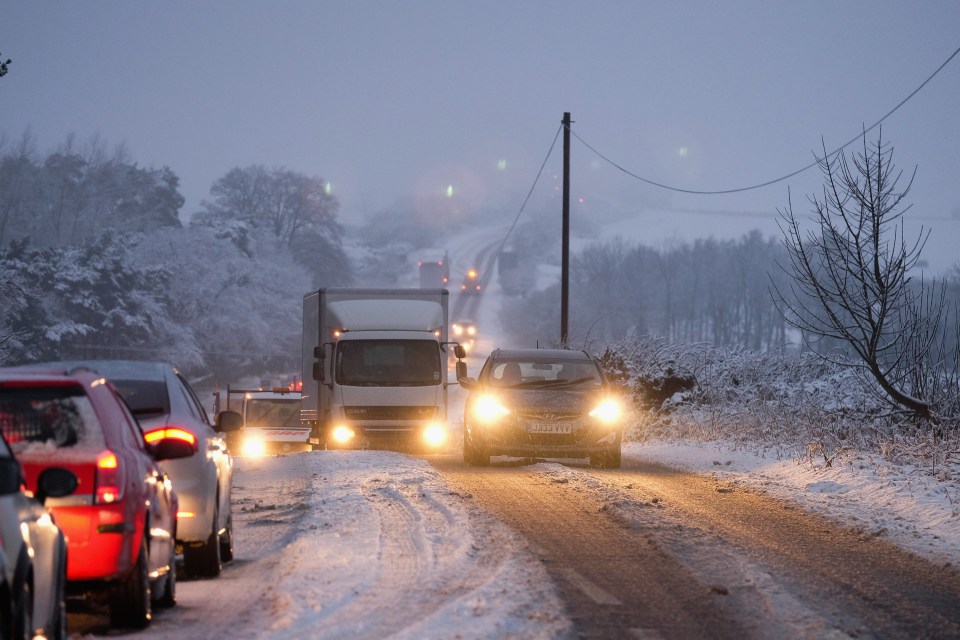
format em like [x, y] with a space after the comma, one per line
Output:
[271, 413]
[144, 396]
[388, 363]
[60, 415]
[542, 373]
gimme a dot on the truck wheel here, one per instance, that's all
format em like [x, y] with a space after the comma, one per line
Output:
[130, 597]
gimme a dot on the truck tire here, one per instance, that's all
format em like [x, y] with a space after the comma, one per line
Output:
[130, 597]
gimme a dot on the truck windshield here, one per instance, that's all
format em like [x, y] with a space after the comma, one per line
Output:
[260, 412]
[388, 363]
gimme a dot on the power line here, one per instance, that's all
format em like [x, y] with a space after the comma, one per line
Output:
[817, 160]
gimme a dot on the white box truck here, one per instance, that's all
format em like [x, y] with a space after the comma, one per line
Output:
[375, 367]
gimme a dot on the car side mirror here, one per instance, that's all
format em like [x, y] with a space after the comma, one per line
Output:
[56, 482]
[468, 383]
[228, 421]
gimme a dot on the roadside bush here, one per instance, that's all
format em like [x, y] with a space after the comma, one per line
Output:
[788, 405]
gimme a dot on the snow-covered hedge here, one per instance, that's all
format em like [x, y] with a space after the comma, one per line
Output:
[786, 404]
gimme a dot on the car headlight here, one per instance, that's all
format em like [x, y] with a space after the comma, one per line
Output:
[607, 412]
[489, 409]
[254, 446]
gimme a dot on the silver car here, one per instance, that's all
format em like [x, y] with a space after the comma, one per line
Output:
[163, 401]
[33, 553]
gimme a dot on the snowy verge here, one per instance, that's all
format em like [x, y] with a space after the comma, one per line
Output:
[903, 504]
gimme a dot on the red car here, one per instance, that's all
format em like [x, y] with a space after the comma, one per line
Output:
[120, 522]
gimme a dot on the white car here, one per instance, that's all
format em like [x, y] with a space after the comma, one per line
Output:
[162, 399]
[33, 554]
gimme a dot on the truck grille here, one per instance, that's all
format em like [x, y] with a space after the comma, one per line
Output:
[390, 413]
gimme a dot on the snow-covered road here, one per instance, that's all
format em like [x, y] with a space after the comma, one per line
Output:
[368, 544]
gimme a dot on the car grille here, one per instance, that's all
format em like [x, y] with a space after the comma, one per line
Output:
[390, 413]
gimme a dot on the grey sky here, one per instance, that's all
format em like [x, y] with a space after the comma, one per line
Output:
[390, 101]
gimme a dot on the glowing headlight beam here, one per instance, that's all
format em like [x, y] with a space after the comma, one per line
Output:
[489, 409]
[435, 435]
[254, 447]
[342, 434]
[607, 411]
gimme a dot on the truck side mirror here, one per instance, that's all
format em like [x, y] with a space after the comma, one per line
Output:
[318, 370]
[460, 352]
[461, 369]
[319, 353]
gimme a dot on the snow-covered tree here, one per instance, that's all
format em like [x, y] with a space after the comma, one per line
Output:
[251, 204]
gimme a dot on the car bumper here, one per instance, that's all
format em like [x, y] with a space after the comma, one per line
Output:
[520, 443]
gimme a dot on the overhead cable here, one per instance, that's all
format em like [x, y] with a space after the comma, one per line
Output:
[817, 159]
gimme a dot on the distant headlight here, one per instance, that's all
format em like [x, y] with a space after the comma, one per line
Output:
[607, 412]
[489, 409]
[254, 447]
[457, 330]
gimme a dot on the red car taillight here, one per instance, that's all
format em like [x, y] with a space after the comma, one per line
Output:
[155, 435]
[108, 484]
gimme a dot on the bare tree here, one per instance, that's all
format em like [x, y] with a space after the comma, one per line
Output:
[4, 66]
[849, 274]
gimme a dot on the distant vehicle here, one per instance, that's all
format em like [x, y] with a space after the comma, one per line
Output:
[375, 367]
[33, 582]
[271, 421]
[465, 332]
[434, 271]
[551, 403]
[166, 406]
[471, 282]
[120, 521]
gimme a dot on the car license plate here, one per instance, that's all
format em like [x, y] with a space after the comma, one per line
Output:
[550, 427]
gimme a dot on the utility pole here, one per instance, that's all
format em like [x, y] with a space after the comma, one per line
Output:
[565, 251]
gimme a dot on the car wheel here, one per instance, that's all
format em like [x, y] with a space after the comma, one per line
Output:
[609, 459]
[473, 454]
[204, 560]
[168, 596]
[226, 541]
[59, 630]
[130, 597]
[23, 611]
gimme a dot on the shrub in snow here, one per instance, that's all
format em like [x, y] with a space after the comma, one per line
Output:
[791, 404]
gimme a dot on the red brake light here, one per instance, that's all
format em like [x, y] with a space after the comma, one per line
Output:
[170, 432]
[108, 485]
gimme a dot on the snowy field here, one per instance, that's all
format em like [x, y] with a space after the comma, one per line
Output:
[370, 544]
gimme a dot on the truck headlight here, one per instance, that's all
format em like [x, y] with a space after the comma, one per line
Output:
[342, 434]
[435, 435]
[253, 446]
